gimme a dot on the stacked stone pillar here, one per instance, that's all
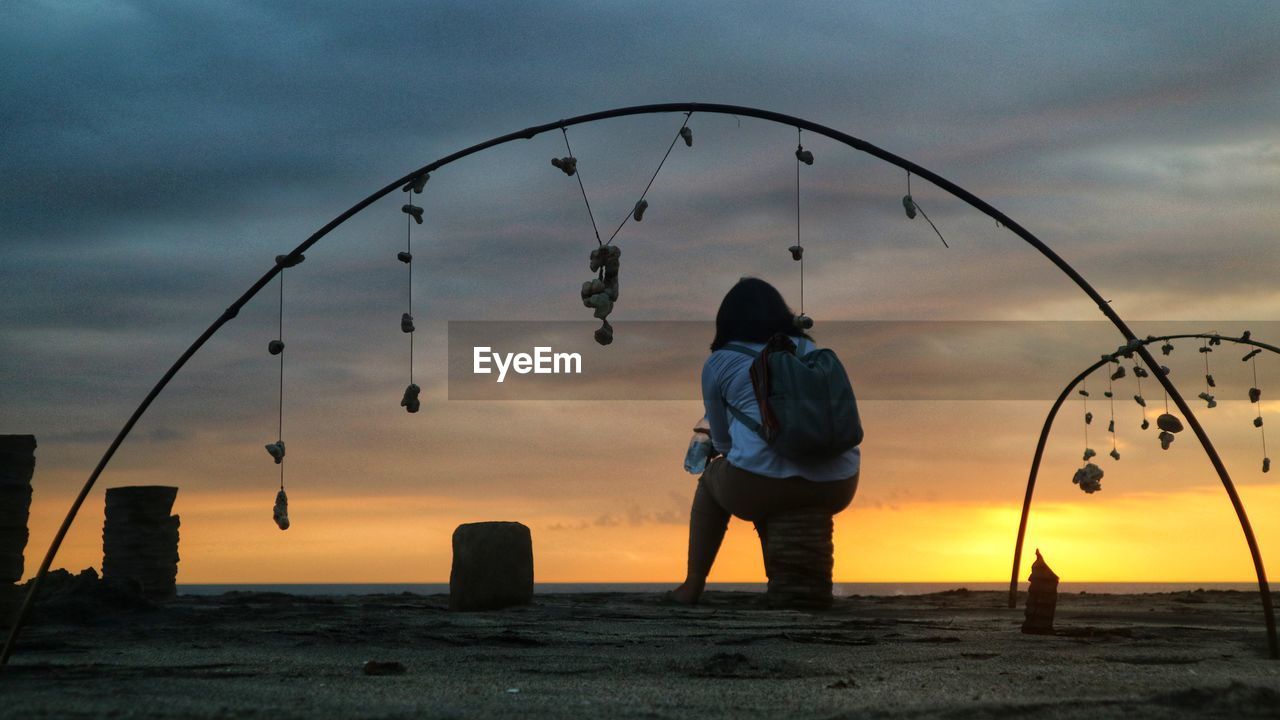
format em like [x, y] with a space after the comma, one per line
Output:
[17, 465]
[492, 566]
[798, 557]
[140, 539]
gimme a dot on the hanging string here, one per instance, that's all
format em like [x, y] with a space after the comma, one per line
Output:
[1254, 364]
[583, 188]
[408, 248]
[1143, 405]
[1111, 427]
[651, 178]
[923, 214]
[799, 144]
[1205, 351]
[1084, 395]
[280, 402]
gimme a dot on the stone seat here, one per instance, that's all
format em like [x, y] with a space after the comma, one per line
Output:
[798, 557]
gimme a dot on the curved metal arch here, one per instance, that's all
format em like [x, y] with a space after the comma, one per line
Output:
[689, 107]
[1044, 438]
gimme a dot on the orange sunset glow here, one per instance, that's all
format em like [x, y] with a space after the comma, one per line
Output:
[925, 517]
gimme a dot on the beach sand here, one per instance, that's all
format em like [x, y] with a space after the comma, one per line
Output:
[958, 654]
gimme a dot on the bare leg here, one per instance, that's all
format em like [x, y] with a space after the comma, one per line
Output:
[707, 525]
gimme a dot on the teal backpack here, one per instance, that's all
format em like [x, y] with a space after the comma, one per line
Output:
[806, 403]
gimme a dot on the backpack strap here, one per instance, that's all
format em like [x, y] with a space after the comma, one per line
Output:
[742, 417]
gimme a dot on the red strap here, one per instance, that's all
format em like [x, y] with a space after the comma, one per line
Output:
[760, 383]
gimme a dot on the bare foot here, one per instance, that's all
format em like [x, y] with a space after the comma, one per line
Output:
[689, 592]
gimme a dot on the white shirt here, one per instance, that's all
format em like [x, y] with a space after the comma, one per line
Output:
[726, 375]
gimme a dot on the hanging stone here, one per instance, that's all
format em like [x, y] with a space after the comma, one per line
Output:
[280, 513]
[638, 211]
[275, 347]
[1164, 371]
[1119, 373]
[1089, 478]
[416, 183]
[803, 322]
[1166, 439]
[1139, 371]
[1115, 454]
[1140, 400]
[410, 400]
[1088, 453]
[1111, 426]
[567, 165]
[1255, 394]
[1107, 394]
[1145, 423]
[602, 304]
[1250, 355]
[604, 334]
[1084, 393]
[607, 257]
[404, 257]
[796, 251]
[1166, 348]
[1208, 380]
[601, 293]
[1266, 464]
[804, 156]
[1215, 340]
[406, 323]
[686, 132]
[1209, 399]
[276, 450]
[414, 210]
[1257, 422]
[1088, 418]
[1245, 335]
[1206, 349]
[594, 286]
[910, 206]
[1169, 423]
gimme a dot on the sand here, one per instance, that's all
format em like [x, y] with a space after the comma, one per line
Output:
[954, 655]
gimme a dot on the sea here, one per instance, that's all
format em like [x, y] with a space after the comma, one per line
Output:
[880, 589]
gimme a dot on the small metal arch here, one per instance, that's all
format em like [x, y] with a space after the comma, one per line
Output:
[1127, 352]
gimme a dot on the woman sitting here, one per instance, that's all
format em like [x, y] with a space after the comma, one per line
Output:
[750, 479]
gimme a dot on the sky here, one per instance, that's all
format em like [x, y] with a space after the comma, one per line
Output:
[156, 157]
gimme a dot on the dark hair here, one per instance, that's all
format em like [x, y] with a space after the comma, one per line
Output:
[753, 311]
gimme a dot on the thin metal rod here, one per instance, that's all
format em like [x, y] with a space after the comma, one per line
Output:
[530, 132]
[1141, 348]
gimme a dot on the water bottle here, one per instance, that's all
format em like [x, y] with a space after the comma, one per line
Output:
[695, 459]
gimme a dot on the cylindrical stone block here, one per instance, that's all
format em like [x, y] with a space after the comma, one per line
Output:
[140, 539]
[798, 558]
[17, 465]
[492, 566]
